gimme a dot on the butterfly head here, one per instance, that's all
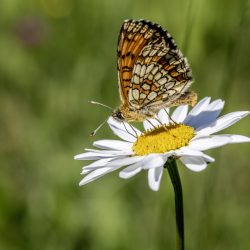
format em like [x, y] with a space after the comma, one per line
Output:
[118, 115]
[123, 113]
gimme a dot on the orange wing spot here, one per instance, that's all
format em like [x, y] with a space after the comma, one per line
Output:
[137, 37]
[169, 67]
[126, 75]
[174, 73]
[139, 43]
[147, 81]
[140, 60]
[124, 46]
[156, 58]
[154, 88]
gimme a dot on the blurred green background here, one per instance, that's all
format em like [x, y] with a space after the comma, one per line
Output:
[55, 55]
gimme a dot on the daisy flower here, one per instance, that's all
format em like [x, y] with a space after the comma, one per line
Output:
[183, 136]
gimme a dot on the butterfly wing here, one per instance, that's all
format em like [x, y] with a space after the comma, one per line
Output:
[157, 74]
[134, 36]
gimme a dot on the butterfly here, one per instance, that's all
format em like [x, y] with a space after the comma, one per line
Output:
[152, 72]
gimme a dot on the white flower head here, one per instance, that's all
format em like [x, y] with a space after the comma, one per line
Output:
[185, 139]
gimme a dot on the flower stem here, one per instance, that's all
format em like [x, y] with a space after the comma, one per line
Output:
[176, 182]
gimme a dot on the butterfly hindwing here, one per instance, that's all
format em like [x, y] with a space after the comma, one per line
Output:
[161, 74]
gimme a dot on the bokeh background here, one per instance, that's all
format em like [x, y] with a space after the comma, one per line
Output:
[55, 55]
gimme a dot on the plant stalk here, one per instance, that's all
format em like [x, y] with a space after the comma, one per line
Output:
[176, 182]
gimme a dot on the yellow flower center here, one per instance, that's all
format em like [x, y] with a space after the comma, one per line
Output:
[163, 139]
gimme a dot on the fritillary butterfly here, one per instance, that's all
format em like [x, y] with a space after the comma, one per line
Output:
[152, 72]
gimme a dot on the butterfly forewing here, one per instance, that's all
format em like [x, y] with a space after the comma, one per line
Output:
[134, 36]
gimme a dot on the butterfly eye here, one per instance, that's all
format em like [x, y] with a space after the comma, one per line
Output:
[120, 115]
[117, 114]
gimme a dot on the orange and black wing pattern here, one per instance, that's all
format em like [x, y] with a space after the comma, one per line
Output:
[134, 36]
[152, 71]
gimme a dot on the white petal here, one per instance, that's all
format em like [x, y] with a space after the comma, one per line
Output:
[110, 166]
[154, 161]
[125, 161]
[201, 105]
[86, 171]
[205, 143]
[194, 163]
[213, 111]
[150, 124]
[124, 130]
[238, 138]
[187, 151]
[154, 178]
[92, 156]
[96, 174]
[206, 116]
[222, 123]
[95, 165]
[180, 113]
[232, 138]
[113, 144]
[111, 152]
[131, 170]
[216, 105]
[163, 115]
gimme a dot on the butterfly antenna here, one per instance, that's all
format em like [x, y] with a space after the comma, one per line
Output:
[101, 104]
[95, 131]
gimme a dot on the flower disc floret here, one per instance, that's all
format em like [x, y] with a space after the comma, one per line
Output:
[163, 139]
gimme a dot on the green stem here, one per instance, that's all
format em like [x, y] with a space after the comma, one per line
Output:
[176, 182]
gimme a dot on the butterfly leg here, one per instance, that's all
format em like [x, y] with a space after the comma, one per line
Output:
[169, 116]
[150, 123]
[158, 120]
[131, 128]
